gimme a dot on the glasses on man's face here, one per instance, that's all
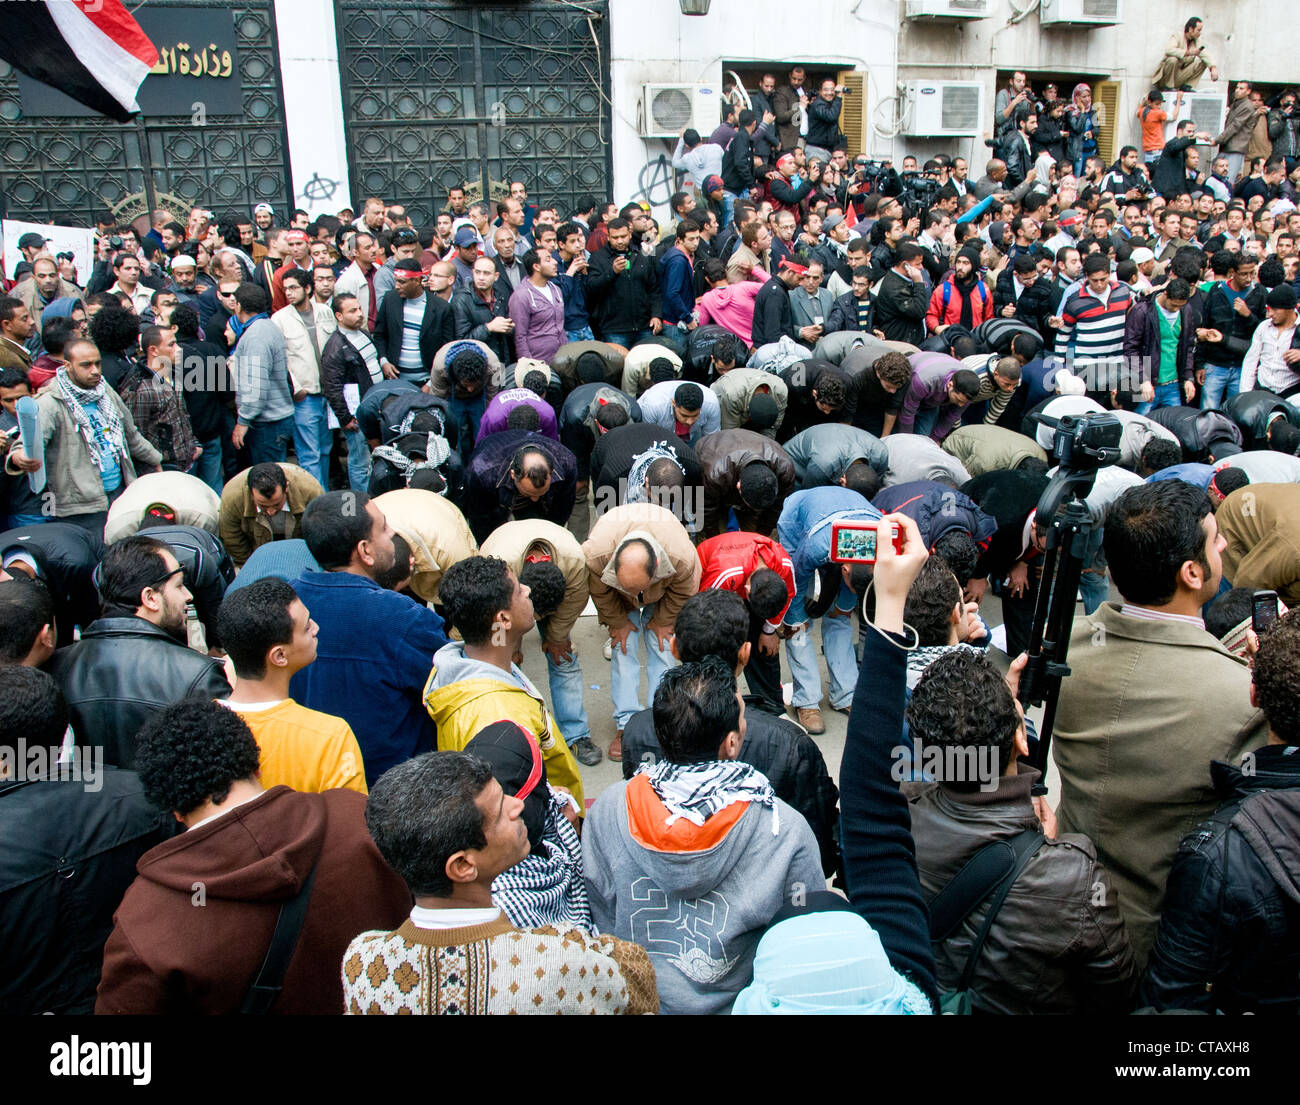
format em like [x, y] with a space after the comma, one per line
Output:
[227, 295]
[162, 583]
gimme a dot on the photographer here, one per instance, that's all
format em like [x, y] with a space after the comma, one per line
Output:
[1284, 131]
[1013, 103]
[824, 134]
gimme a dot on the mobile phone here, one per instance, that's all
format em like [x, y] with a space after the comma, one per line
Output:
[855, 542]
[1263, 611]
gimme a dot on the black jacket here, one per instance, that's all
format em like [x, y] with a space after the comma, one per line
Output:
[122, 672]
[722, 456]
[1169, 173]
[208, 569]
[625, 302]
[471, 314]
[1007, 498]
[844, 314]
[779, 749]
[341, 363]
[58, 891]
[1037, 303]
[772, 317]
[612, 458]
[577, 419]
[1018, 158]
[437, 329]
[66, 557]
[738, 163]
[824, 123]
[208, 389]
[900, 309]
[490, 494]
[1229, 936]
[1237, 329]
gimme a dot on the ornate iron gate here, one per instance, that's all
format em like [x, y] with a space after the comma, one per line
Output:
[439, 93]
[65, 169]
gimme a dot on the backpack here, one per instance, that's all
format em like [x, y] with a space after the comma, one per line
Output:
[992, 870]
[947, 294]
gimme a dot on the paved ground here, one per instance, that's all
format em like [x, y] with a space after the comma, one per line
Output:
[589, 638]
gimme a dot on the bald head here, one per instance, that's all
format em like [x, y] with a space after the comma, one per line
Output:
[634, 565]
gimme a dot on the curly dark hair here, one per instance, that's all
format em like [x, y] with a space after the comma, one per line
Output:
[546, 582]
[1277, 677]
[31, 706]
[523, 417]
[930, 600]
[474, 591]
[115, 330]
[962, 702]
[192, 752]
[958, 550]
[537, 381]
[712, 623]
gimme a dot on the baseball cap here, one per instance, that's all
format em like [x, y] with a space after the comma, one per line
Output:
[1069, 217]
[32, 241]
[263, 207]
[1142, 255]
[465, 236]
[831, 223]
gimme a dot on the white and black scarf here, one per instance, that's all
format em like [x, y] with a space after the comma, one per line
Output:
[547, 887]
[698, 791]
[102, 434]
[636, 489]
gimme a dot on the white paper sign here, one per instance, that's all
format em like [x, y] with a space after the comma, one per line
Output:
[77, 240]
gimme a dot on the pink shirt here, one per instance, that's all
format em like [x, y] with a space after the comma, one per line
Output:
[732, 307]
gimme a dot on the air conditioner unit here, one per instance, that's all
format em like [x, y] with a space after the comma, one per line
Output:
[1078, 13]
[667, 108]
[937, 109]
[1206, 109]
[948, 9]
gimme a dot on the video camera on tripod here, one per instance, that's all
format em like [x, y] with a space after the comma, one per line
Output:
[920, 192]
[1082, 445]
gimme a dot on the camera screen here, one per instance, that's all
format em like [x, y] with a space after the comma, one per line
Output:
[855, 544]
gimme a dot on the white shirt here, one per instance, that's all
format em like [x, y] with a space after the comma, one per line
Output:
[423, 918]
[1264, 360]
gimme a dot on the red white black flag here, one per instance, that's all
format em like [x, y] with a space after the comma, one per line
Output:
[92, 50]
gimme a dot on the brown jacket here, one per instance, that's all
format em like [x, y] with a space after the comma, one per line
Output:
[511, 541]
[1261, 523]
[243, 528]
[168, 955]
[1058, 944]
[677, 576]
[1146, 708]
[722, 457]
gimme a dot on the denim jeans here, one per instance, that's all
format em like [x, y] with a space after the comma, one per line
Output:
[1222, 382]
[1167, 395]
[1094, 588]
[312, 437]
[926, 417]
[841, 660]
[208, 467]
[269, 440]
[566, 696]
[25, 521]
[584, 334]
[358, 460]
[467, 414]
[630, 339]
[625, 673]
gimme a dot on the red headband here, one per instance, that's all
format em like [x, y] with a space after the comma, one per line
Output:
[535, 775]
[786, 263]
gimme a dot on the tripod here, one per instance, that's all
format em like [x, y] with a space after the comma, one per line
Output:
[1094, 441]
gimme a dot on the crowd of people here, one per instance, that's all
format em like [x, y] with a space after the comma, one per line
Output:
[286, 504]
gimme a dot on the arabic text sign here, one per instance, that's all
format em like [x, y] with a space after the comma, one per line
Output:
[198, 62]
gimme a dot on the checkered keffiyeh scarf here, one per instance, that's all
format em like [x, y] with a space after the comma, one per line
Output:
[698, 791]
[547, 887]
[636, 489]
[103, 435]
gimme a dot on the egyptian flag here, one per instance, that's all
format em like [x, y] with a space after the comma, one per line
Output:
[91, 50]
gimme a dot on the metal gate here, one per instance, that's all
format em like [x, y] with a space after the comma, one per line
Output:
[437, 94]
[65, 169]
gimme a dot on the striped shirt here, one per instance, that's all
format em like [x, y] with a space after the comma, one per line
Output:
[1092, 326]
[409, 360]
[1147, 614]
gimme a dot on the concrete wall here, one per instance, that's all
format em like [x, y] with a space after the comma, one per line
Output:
[654, 44]
[1248, 39]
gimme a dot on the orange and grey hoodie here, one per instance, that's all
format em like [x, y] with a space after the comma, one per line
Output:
[696, 897]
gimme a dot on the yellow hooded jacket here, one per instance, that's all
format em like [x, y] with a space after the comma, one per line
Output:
[463, 697]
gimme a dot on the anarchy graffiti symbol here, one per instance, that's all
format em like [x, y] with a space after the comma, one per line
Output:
[319, 188]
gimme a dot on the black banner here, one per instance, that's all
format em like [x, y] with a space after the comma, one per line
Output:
[198, 64]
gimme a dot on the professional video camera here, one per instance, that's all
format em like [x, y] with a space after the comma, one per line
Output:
[919, 190]
[1082, 445]
[875, 176]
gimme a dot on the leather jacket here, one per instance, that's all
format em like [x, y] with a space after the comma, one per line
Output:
[122, 672]
[1053, 948]
[1229, 936]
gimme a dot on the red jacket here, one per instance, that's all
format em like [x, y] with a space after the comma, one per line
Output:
[939, 315]
[728, 560]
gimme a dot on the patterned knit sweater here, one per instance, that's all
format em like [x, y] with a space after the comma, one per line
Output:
[496, 968]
